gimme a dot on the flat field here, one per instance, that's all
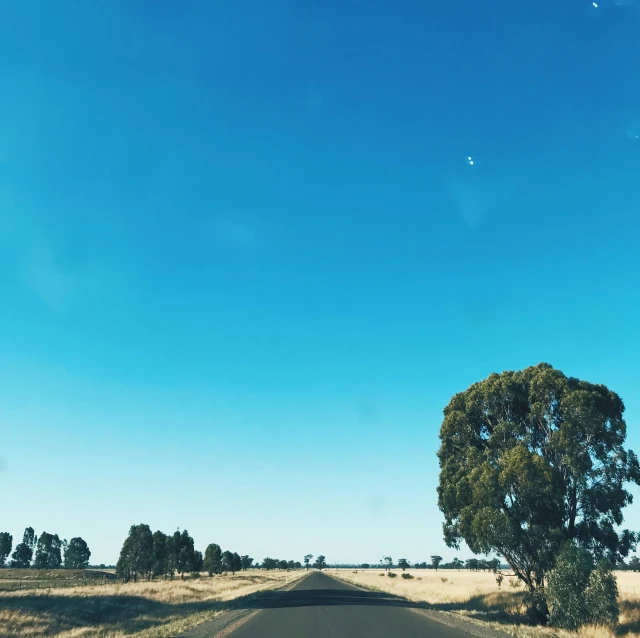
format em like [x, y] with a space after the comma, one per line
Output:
[114, 610]
[477, 596]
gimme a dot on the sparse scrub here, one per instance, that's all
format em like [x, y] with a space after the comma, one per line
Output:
[444, 580]
[391, 575]
[407, 576]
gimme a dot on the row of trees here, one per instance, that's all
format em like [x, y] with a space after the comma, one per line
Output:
[51, 552]
[146, 554]
[472, 564]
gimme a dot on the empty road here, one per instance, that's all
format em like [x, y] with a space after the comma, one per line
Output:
[320, 606]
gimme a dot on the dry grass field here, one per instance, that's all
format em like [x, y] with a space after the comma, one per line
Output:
[476, 595]
[143, 609]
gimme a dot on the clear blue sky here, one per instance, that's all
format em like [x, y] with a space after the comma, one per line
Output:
[245, 260]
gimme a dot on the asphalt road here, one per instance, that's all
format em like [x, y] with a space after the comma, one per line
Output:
[320, 606]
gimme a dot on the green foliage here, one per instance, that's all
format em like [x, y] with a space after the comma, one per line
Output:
[48, 552]
[29, 538]
[602, 596]
[403, 564]
[21, 557]
[634, 563]
[246, 561]
[406, 576]
[159, 566]
[579, 594]
[320, 562]
[391, 574]
[365, 565]
[531, 459]
[76, 554]
[435, 561]
[6, 543]
[307, 559]
[136, 555]
[269, 563]
[227, 561]
[186, 553]
[213, 559]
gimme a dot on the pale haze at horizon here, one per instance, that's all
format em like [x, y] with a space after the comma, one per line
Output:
[248, 254]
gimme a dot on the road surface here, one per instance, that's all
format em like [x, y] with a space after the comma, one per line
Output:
[320, 606]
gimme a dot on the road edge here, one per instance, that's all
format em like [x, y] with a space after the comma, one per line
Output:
[230, 619]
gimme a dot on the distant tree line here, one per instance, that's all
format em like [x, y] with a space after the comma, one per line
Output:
[48, 551]
[473, 564]
[147, 555]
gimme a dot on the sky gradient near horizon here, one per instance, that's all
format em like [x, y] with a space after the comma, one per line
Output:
[245, 259]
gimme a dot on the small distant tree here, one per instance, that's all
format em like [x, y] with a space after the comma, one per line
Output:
[159, 565]
[283, 564]
[213, 559]
[29, 538]
[186, 554]
[198, 562]
[388, 562]
[307, 559]
[291, 564]
[174, 543]
[435, 561]
[403, 564]
[365, 565]
[6, 543]
[473, 564]
[320, 562]
[21, 557]
[634, 563]
[298, 565]
[237, 562]
[48, 552]
[227, 561]
[457, 563]
[136, 555]
[269, 563]
[246, 562]
[493, 565]
[76, 554]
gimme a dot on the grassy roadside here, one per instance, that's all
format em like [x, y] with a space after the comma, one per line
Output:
[476, 598]
[142, 610]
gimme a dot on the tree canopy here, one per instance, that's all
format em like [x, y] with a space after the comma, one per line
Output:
[531, 459]
[48, 552]
[6, 543]
[76, 554]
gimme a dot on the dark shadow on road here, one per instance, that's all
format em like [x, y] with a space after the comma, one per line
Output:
[330, 597]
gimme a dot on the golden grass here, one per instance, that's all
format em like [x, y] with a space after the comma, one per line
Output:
[476, 596]
[143, 609]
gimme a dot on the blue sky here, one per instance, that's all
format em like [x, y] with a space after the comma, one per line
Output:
[245, 260]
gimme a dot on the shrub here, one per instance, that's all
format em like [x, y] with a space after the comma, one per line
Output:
[515, 582]
[381, 575]
[419, 577]
[499, 579]
[444, 580]
[567, 586]
[391, 575]
[406, 576]
[602, 596]
[195, 575]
